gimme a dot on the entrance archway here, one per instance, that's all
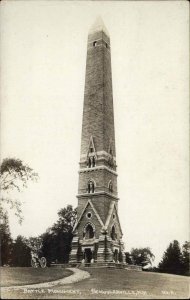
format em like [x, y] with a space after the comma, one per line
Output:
[115, 255]
[88, 255]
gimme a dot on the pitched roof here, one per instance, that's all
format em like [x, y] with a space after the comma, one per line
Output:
[110, 212]
[95, 212]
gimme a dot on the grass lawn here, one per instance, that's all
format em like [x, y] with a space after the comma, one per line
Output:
[23, 276]
[105, 283]
[109, 283]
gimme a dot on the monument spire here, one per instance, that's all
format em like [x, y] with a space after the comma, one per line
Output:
[98, 26]
[97, 232]
[98, 118]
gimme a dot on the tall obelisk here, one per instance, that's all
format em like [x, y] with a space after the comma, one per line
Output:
[97, 233]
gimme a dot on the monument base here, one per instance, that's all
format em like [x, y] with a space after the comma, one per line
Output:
[97, 252]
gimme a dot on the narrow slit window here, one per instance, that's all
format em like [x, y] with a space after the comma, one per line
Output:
[89, 162]
[93, 161]
[110, 187]
[90, 187]
[113, 233]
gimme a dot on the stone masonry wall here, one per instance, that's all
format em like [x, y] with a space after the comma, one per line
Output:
[98, 102]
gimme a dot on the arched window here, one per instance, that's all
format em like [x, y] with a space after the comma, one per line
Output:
[91, 161]
[113, 233]
[94, 43]
[110, 187]
[90, 187]
[89, 232]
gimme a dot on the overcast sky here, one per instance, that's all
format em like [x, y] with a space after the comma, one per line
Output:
[43, 57]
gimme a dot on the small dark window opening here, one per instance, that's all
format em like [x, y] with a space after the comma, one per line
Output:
[89, 215]
[106, 45]
[89, 234]
[91, 149]
[89, 162]
[110, 187]
[113, 233]
[93, 161]
[94, 43]
[91, 187]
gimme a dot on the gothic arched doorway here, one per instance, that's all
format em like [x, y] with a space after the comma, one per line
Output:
[88, 255]
[116, 255]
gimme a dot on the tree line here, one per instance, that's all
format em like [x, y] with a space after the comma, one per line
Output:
[175, 259]
[56, 241]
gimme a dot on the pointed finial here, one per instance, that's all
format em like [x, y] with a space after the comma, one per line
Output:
[99, 26]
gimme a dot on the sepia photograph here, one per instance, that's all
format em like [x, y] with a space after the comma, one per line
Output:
[94, 149]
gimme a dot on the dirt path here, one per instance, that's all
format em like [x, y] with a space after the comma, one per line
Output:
[77, 275]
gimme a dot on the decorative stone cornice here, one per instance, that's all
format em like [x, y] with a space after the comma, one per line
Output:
[97, 168]
[88, 241]
[97, 194]
[99, 153]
